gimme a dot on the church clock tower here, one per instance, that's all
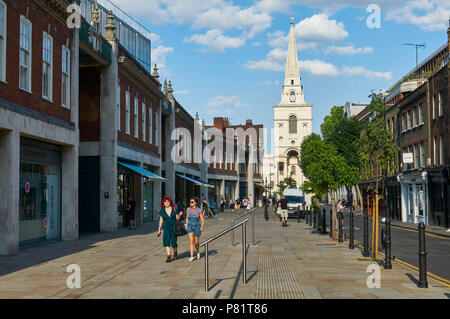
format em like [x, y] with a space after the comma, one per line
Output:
[292, 119]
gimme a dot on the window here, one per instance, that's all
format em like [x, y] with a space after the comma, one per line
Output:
[157, 129]
[433, 111]
[127, 112]
[150, 126]
[421, 107]
[417, 156]
[65, 81]
[144, 121]
[441, 150]
[136, 123]
[416, 116]
[292, 82]
[410, 119]
[47, 66]
[441, 104]
[293, 170]
[411, 199]
[292, 124]
[25, 55]
[436, 150]
[404, 122]
[118, 107]
[2, 41]
[422, 155]
[411, 150]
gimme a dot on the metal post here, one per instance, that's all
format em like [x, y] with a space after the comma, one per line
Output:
[310, 216]
[423, 283]
[253, 227]
[314, 218]
[244, 254]
[298, 214]
[366, 235]
[331, 222]
[324, 222]
[351, 245]
[206, 269]
[387, 260]
[266, 215]
[341, 233]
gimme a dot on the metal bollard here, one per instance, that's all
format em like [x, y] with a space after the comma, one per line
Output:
[366, 236]
[331, 222]
[314, 218]
[351, 245]
[422, 258]
[310, 216]
[266, 215]
[324, 222]
[387, 260]
[341, 233]
[298, 214]
[244, 253]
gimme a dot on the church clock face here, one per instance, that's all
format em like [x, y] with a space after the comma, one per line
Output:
[292, 96]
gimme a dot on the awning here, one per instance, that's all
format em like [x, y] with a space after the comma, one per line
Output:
[260, 185]
[141, 171]
[196, 181]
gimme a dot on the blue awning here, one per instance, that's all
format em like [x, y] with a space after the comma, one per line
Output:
[196, 181]
[141, 171]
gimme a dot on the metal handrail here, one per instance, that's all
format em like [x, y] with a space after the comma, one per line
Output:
[252, 211]
[244, 251]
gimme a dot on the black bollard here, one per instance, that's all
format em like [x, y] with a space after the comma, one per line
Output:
[331, 222]
[324, 222]
[340, 227]
[310, 216]
[266, 215]
[298, 214]
[351, 245]
[387, 253]
[366, 236]
[314, 218]
[422, 258]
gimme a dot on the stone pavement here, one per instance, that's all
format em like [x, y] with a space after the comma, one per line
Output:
[287, 262]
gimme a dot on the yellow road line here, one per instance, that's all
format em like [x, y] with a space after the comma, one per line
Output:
[435, 277]
[416, 231]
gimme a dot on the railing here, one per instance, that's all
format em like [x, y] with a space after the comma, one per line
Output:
[244, 251]
[253, 226]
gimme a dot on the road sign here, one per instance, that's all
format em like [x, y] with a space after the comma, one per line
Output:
[408, 158]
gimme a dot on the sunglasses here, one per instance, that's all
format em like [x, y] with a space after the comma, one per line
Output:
[192, 202]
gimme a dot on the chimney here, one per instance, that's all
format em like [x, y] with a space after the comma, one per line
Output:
[225, 122]
[248, 123]
[218, 123]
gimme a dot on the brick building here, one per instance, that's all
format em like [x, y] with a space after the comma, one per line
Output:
[38, 124]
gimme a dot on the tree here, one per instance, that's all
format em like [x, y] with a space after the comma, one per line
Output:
[288, 182]
[325, 169]
[377, 152]
[344, 134]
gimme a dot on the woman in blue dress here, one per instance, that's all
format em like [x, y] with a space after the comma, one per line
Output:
[167, 218]
[194, 226]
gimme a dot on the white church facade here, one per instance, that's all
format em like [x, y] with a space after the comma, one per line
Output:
[292, 123]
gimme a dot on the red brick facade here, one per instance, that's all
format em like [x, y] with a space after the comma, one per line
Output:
[41, 20]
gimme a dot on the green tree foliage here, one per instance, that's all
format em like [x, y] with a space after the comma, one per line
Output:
[288, 182]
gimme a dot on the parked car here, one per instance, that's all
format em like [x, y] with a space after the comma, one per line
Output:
[295, 200]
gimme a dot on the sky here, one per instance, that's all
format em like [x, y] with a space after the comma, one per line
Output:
[226, 57]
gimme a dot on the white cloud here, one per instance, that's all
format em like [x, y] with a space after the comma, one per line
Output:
[347, 50]
[181, 92]
[159, 56]
[215, 40]
[318, 67]
[362, 71]
[257, 44]
[275, 61]
[220, 100]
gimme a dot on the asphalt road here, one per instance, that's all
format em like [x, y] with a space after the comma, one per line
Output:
[405, 246]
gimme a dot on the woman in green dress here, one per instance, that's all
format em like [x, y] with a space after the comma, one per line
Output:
[167, 218]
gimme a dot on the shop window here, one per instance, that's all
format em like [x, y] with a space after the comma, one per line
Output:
[136, 121]
[127, 112]
[144, 121]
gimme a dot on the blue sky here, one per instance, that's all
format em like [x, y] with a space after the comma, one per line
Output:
[226, 58]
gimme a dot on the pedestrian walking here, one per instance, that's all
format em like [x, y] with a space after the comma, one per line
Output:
[167, 218]
[206, 210]
[340, 208]
[194, 226]
[238, 205]
[244, 203]
[249, 206]
[283, 204]
[222, 204]
[131, 212]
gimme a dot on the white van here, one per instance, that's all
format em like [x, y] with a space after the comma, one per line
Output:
[295, 199]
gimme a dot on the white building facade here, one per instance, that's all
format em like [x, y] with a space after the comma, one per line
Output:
[292, 123]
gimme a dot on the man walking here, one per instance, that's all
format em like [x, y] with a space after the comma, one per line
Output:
[283, 204]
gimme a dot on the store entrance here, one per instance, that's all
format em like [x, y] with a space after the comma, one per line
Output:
[125, 189]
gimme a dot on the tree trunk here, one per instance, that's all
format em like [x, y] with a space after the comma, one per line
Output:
[373, 226]
[376, 224]
[360, 196]
[333, 217]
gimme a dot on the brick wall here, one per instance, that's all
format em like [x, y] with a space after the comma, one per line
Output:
[41, 21]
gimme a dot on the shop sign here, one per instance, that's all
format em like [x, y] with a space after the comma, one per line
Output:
[408, 158]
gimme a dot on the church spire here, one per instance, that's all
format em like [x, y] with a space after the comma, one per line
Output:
[292, 74]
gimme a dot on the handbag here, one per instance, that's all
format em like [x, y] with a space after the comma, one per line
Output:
[279, 210]
[179, 229]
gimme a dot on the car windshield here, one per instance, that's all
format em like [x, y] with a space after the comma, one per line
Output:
[294, 199]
